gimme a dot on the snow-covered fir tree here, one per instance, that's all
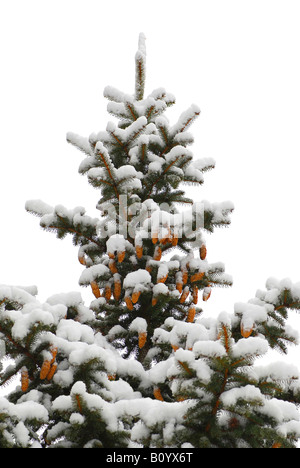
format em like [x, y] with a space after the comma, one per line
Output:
[141, 366]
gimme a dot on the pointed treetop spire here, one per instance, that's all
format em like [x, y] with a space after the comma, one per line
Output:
[140, 67]
[142, 43]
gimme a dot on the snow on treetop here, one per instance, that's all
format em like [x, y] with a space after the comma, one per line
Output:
[142, 43]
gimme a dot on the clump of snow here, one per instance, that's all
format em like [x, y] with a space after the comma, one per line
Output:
[209, 349]
[77, 418]
[137, 277]
[70, 299]
[160, 288]
[38, 207]
[75, 331]
[79, 388]
[138, 325]
[24, 411]
[279, 371]
[27, 317]
[16, 294]
[92, 273]
[22, 434]
[250, 347]
[184, 355]
[116, 243]
[249, 393]
[251, 313]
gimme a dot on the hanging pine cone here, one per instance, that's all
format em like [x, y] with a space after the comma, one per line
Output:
[276, 445]
[121, 256]
[179, 282]
[166, 238]
[184, 295]
[203, 251]
[139, 251]
[157, 253]
[246, 332]
[45, 369]
[129, 302]
[195, 294]
[154, 301]
[52, 371]
[107, 292]
[95, 289]
[184, 276]
[157, 394]
[24, 379]
[112, 266]
[117, 290]
[175, 239]
[191, 314]
[155, 237]
[206, 293]
[162, 279]
[135, 296]
[142, 339]
[53, 351]
[81, 259]
[197, 277]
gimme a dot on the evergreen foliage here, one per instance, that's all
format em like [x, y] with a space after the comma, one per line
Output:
[142, 366]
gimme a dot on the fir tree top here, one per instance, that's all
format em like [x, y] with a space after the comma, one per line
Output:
[142, 366]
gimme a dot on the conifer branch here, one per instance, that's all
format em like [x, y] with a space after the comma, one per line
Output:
[21, 349]
[73, 231]
[160, 177]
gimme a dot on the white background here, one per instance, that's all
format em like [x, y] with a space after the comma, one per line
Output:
[238, 60]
